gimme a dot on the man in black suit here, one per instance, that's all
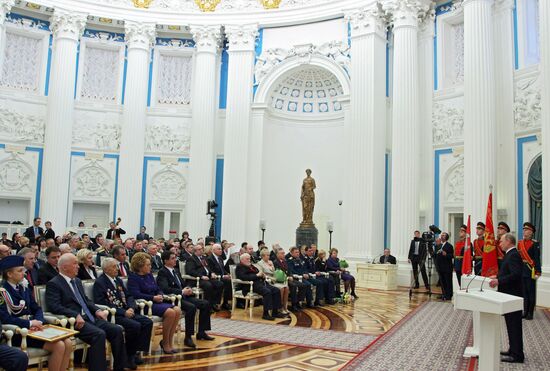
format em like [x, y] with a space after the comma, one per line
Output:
[215, 263]
[35, 231]
[65, 296]
[110, 291]
[444, 263]
[156, 261]
[119, 254]
[49, 270]
[197, 266]
[186, 252]
[170, 282]
[417, 256]
[142, 236]
[29, 263]
[271, 295]
[509, 281]
[114, 231]
[387, 258]
[49, 232]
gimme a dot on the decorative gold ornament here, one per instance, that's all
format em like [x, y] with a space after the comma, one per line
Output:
[271, 4]
[105, 20]
[142, 3]
[33, 6]
[207, 5]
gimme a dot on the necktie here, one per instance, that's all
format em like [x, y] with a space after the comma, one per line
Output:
[35, 231]
[81, 301]
[220, 262]
[29, 278]
[416, 243]
[122, 270]
[20, 289]
[176, 278]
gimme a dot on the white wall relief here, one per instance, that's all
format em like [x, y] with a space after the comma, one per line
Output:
[454, 183]
[100, 71]
[15, 175]
[166, 138]
[174, 77]
[18, 127]
[168, 185]
[22, 61]
[92, 181]
[448, 123]
[527, 106]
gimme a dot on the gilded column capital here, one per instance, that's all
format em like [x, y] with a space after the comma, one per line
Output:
[367, 20]
[241, 37]
[67, 24]
[207, 38]
[139, 35]
[406, 13]
[5, 8]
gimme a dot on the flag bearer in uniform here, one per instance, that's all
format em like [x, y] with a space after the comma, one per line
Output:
[479, 243]
[529, 250]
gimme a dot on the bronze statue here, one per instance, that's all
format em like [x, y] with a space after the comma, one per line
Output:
[308, 199]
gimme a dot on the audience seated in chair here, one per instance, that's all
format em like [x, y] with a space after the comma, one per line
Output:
[142, 285]
[197, 266]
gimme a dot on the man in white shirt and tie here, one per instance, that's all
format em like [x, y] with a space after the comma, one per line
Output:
[119, 253]
[216, 265]
[197, 266]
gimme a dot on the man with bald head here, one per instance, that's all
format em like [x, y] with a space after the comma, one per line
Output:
[4, 251]
[216, 264]
[65, 296]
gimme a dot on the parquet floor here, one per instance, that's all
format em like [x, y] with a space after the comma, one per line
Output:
[373, 313]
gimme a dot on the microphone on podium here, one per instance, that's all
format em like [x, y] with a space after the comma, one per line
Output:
[472, 280]
[481, 287]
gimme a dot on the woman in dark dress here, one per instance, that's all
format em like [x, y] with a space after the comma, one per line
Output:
[333, 265]
[142, 285]
[86, 268]
[17, 307]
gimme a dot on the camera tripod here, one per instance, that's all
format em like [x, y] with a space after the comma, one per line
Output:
[426, 257]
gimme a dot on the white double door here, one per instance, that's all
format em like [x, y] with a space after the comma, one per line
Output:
[168, 223]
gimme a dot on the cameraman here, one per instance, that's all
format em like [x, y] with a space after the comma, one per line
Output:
[417, 253]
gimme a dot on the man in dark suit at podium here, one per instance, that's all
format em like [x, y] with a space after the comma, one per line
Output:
[387, 258]
[509, 281]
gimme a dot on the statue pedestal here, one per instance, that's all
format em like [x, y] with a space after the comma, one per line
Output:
[306, 235]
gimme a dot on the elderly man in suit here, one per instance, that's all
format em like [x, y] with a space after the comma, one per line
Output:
[170, 282]
[119, 253]
[110, 291]
[35, 231]
[31, 275]
[509, 281]
[65, 296]
[197, 266]
[156, 261]
[271, 295]
[49, 270]
[216, 265]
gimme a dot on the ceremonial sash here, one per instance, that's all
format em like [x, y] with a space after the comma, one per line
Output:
[478, 248]
[523, 251]
[458, 249]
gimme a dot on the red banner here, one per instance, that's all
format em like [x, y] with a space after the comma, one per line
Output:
[490, 264]
[467, 259]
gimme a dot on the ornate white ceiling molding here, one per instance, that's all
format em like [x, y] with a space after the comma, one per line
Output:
[338, 51]
[185, 12]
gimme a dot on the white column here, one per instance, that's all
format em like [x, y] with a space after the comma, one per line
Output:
[544, 18]
[405, 125]
[5, 8]
[67, 27]
[479, 108]
[202, 154]
[426, 87]
[254, 196]
[366, 135]
[237, 126]
[504, 103]
[139, 38]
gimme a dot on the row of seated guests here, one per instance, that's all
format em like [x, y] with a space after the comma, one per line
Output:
[109, 290]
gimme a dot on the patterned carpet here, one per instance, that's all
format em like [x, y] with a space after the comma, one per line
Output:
[420, 341]
[282, 334]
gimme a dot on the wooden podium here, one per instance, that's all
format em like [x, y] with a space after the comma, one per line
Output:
[377, 276]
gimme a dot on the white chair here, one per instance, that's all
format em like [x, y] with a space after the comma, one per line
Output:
[37, 356]
[249, 298]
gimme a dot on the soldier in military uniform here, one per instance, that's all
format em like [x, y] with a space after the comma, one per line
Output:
[17, 307]
[326, 284]
[459, 252]
[502, 229]
[529, 251]
[297, 268]
[479, 243]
